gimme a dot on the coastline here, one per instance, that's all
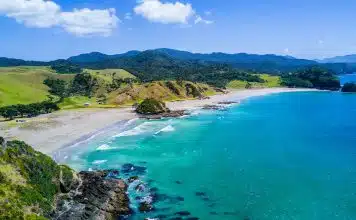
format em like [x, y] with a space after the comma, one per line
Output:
[51, 132]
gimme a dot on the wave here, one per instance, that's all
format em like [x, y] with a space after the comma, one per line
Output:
[99, 162]
[142, 128]
[104, 147]
[168, 128]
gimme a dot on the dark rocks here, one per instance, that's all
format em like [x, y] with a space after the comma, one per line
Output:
[133, 179]
[145, 207]
[212, 107]
[178, 182]
[133, 169]
[200, 194]
[227, 103]
[96, 197]
[182, 213]
[170, 114]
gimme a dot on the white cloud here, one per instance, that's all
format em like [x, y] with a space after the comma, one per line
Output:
[207, 13]
[128, 16]
[199, 19]
[89, 22]
[46, 14]
[166, 13]
[286, 51]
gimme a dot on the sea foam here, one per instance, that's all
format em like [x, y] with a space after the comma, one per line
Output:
[103, 147]
[168, 128]
[99, 162]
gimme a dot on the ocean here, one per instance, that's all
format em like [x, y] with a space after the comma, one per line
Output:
[280, 156]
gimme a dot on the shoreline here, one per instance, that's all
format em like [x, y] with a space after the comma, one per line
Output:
[55, 131]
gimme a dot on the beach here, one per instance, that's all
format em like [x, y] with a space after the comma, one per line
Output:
[48, 133]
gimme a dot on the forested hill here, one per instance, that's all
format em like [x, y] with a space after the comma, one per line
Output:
[269, 63]
[8, 62]
[249, 62]
[163, 58]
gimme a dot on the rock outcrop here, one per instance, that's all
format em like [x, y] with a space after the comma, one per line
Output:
[96, 196]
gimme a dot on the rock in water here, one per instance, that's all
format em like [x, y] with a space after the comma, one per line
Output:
[96, 197]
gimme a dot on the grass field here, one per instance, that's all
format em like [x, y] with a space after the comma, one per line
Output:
[271, 81]
[107, 74]
[24, 84]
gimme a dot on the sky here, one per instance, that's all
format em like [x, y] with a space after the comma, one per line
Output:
[48, 30]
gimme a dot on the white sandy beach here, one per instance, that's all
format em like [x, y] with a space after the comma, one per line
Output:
[48, 133]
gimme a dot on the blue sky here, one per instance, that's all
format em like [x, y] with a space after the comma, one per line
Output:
[304, 28]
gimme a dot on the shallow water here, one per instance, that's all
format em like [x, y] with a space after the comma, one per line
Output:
[282, 156]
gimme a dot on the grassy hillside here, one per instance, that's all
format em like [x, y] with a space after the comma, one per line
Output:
[108, 74]
[24, 84]
[161, 90]
[129, 94]
[29, 182]
[270, 82]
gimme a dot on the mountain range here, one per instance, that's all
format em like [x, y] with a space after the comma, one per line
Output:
[269, 63]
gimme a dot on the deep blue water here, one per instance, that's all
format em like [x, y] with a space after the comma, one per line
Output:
[347, 78]
[282, 156]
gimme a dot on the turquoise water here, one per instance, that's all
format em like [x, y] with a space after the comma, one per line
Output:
[282, 156]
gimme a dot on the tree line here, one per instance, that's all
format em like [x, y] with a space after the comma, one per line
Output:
[30, 110]
[312, 77]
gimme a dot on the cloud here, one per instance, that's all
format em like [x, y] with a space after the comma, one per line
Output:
[47, 14]
[207, 13]
[199, 19]
[286, 51]
[128, 16]
[166, 13]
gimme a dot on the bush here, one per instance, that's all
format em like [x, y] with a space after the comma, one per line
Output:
[172, 87]
[57, 87]
[349, 87]
[151, 106]
[192, 90]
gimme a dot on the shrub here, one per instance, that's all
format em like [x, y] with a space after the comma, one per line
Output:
[192, 90]
[172, 87]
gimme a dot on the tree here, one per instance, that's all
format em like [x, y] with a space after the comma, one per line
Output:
[248, 85]
[2, 141]
[57, 87]
[9, 112]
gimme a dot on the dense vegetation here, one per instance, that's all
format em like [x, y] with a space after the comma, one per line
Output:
[151, 106]
[152, 66]
[269, 63]
[65, 67]
[30, 110]
[314, 77]
[29, 182]
[57, 87]
[349, 87]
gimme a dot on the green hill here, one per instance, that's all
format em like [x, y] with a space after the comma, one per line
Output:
[24, 84]
[270, 82]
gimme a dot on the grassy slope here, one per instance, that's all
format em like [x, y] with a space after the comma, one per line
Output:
[29, 182]
[24, 85]
[129, 95]
[106, 74]
[271, 81]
